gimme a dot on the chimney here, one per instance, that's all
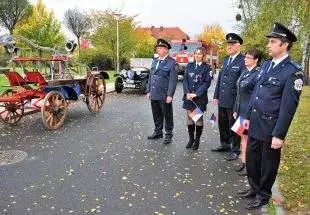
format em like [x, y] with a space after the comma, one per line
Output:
[161, 28]
[152, 28]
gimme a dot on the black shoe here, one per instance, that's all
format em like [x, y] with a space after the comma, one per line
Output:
[256, 203]
[221, 149]
[232, 156]
[246, 194]
[243, 173]
[240, 168]
[189, 144]
[155, 136]
[168, 139]
[196, 145]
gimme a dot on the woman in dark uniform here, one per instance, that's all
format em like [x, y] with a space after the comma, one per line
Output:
[245, 87]
[196, 81]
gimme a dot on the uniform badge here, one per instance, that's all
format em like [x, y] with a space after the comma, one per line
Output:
[298, 83]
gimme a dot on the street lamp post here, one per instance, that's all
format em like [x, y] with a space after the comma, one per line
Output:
[118, 17]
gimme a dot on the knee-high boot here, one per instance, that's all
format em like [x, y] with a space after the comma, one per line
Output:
[191, 134]
[197, 138]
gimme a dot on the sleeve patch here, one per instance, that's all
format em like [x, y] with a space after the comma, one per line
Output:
[298, 83]
[299, 73]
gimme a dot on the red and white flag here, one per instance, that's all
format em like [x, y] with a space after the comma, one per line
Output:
[196, 114]
[238, 127]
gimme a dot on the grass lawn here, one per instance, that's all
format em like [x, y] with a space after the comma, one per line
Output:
[294, 172]
[271, 209]
[3, 82]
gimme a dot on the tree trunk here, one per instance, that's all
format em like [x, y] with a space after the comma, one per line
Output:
[78, 47]
[305, 59]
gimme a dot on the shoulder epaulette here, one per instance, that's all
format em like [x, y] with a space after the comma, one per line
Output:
[298, 67]
[266, 61]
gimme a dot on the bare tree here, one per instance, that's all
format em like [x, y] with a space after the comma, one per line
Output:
[78, 22]
[249, 10]
[13, 11]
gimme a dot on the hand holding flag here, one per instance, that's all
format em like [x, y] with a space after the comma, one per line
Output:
[213, 119]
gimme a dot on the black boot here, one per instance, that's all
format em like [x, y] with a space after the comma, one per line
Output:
[191, 133]
[197, 139]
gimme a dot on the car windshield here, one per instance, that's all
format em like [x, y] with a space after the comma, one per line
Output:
[191, 47]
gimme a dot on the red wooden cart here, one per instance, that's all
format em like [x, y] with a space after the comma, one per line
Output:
[33, 93]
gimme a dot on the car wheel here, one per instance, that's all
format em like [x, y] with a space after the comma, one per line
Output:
[119, 85]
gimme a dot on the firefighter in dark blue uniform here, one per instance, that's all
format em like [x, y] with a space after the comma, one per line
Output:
[245, 87]
[270, 113]
[196, 81]
[225, 96]
[160, 90]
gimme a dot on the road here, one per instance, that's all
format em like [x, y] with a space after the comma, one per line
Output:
[104, 164]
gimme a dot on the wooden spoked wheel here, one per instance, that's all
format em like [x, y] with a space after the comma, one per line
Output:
[54, 110]
[11, 112]
[96, 93]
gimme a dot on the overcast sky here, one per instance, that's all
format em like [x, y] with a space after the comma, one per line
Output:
[190, 16]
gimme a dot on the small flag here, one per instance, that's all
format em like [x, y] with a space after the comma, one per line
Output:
[238, 127]
[196, 114]
[213, 119]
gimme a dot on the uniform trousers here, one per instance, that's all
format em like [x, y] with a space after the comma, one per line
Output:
[262, 165]
[227, 136]
[162, 112]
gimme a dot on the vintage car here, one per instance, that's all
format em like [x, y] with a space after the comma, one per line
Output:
[134, 78]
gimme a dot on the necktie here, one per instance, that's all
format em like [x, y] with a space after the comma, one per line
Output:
[196, 66]
[229, 61]
[159, 62]
[270, 67]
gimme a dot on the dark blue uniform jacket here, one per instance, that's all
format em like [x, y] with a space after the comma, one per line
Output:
[197, 80]
[163, 80]
[245, 87]
[274, 100]
[226, 90]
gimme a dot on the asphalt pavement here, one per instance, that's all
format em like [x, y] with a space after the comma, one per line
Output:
[103, 163]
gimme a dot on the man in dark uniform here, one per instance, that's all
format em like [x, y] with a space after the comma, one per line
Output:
[160, 90]
[225, 96]
[270, 113]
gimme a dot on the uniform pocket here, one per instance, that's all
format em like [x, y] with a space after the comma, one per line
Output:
[270, 117]
[273, 82]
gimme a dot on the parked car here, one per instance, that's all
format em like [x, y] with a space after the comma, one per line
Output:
[134, 78]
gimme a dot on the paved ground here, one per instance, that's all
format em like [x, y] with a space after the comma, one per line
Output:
[104, 164]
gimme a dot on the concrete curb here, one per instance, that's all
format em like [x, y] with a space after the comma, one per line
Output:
[277, 199]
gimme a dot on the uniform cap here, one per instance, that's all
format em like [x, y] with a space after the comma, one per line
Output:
[163, 43]
[233, 38]
[280, 31]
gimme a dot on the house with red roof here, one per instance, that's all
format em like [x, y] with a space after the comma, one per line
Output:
[167, 33]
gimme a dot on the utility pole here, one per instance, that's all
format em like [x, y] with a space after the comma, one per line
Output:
[118, 17]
